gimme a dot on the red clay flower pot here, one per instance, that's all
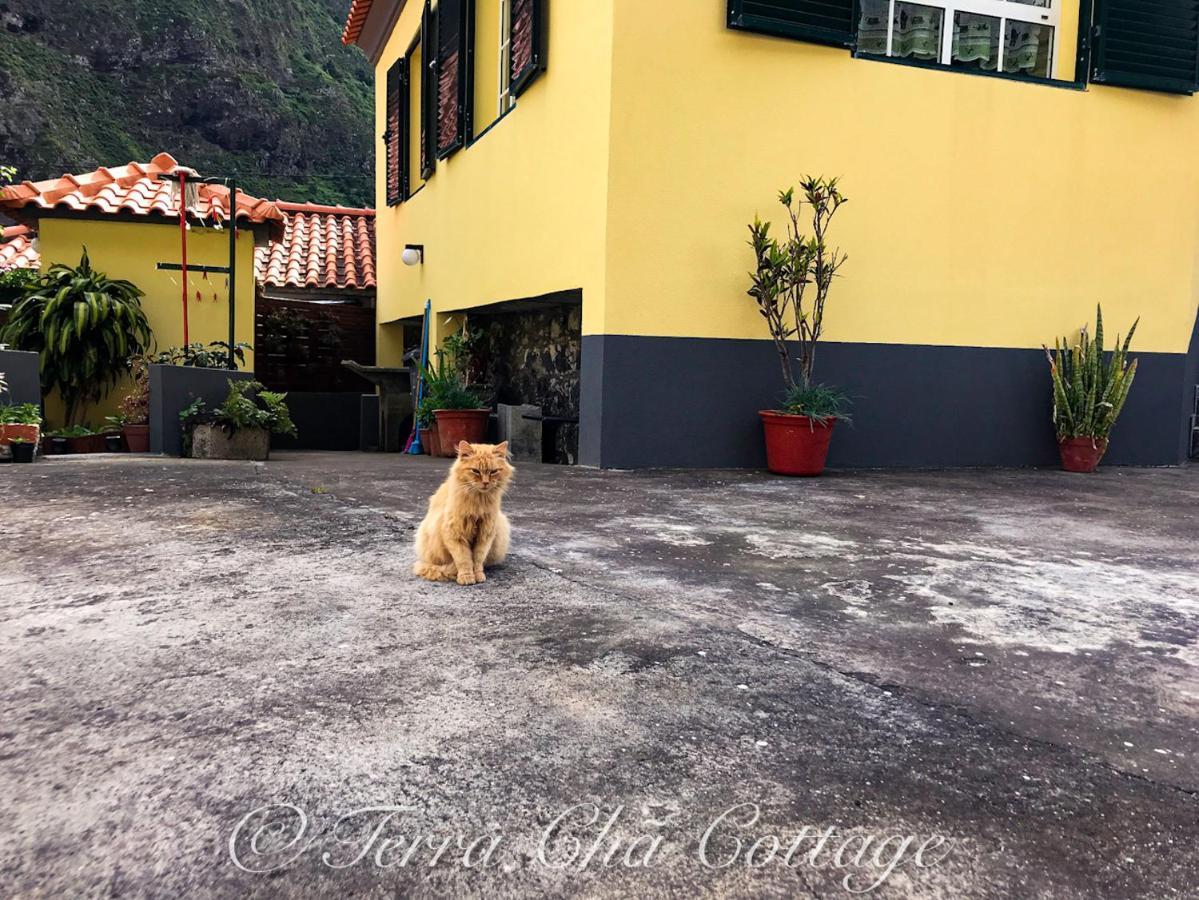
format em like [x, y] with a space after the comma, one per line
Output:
[1081, 454]
[91, 443]
[795, 445]
[137, 438]
[428, 440]
[456, 425]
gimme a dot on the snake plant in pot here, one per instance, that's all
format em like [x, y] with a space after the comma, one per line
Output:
[791, 285]
[1089, 390]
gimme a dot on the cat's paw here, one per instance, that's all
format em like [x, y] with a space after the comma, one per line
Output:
[479, 576]
[466, 578]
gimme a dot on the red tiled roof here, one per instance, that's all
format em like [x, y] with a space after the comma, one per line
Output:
[137, 188]
[359, 10]
[17, 250]
[322, 247]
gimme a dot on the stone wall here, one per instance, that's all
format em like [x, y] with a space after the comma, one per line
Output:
[532, 356]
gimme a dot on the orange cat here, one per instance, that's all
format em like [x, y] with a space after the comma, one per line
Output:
[464, 529]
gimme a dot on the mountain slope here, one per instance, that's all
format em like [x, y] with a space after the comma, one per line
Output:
[259, 89]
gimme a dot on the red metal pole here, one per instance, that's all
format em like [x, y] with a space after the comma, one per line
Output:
[183, 241]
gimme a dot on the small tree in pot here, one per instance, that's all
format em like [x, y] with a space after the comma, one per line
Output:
[457, 411]
[791, 285]
[1089, 391]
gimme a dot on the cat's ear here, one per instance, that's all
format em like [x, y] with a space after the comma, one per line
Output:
[463, 449]
[502, 449]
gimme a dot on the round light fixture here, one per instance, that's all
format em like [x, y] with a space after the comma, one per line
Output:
[413, 255]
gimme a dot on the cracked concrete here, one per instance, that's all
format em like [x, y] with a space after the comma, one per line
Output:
[1007, 659]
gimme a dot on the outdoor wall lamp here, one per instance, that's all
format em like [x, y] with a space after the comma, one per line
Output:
[413, 255]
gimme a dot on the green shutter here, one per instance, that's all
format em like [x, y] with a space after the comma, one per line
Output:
[395, 138]
[1149, 44]
[527, 43]
[451, 76]
[819, 21]
[428, 92]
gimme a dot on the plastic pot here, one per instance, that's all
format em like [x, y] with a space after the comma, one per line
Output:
[137, 438]
[457, 425]
[1081, 454]
[57, 446]
[795, 445]
[113, 442]
[22, 453]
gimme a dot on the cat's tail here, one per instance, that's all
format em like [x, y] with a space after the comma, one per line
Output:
[434, 573]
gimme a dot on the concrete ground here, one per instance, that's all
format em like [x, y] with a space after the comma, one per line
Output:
[999, 665]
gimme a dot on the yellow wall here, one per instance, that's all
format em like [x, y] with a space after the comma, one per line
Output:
[130, 250]
[519, 213]
[984, 212]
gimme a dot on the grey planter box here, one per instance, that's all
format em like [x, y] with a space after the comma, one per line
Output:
[213, 442]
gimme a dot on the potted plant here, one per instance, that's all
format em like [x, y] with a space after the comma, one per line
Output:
[113, 441]
[86, 327]
[80, 439]
[134, 414]
[241, 427]
[426, 424]
[791, 285]
[22, 450]
[20, 422]
[455, 405]
[1089, 390]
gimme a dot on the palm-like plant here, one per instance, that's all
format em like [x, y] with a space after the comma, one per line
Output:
[85, 326]
[1089, 385]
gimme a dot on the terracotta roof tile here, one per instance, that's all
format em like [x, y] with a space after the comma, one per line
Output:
[137, 188]
[359, 10]
[322, 247]
[17, 250]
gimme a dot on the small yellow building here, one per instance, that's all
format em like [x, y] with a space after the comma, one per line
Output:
[128, 219]
[1009, 165]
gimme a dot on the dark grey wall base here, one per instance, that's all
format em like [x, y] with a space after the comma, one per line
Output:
[20, 370]
[172, 390]
[692, 402]
[325, 421]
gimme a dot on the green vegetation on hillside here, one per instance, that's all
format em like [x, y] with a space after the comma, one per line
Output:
[258, 89]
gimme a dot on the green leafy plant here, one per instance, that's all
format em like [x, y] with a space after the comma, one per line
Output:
[21, 414]
[3, 384]
[793, 277]
[1089, 386]
[444, 389]
[460, 351]
[202, 356]
[247, 405]
[84, 325]
[818, 402]
[72, 431]
[18, 440]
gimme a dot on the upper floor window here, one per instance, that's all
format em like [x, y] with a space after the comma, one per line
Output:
[1147, 44]
[1010, 36]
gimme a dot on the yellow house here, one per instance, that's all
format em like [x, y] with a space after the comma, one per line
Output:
[128, 219]
[1009, 165]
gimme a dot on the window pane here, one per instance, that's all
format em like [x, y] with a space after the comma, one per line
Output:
[917, 33]
[872, 27]
[975, 42]
[1044, 4]
[1026, 48]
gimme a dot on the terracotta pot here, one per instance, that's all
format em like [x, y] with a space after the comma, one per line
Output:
[428, 441]
[91, 443]
[795, 445]
[457, 425]
[1081, 454]
[137, 438]
[29, 433]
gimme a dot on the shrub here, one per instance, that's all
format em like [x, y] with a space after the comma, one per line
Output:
[86, 327]
[21, 414]
[202, 356]
[247, 405]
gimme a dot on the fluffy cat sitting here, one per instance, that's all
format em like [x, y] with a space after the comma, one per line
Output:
[464, 529]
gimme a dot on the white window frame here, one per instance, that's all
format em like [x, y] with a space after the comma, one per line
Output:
[505, 101]
[1003, 10]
